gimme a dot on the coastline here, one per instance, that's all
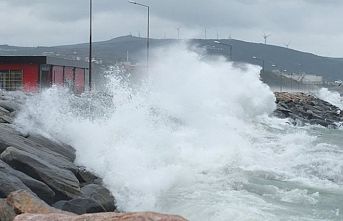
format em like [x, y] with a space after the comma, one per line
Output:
[39, 175]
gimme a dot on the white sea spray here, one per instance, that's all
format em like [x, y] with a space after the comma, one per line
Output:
[194, 138]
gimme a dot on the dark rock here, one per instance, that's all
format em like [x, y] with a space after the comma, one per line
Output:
[9, 105]
[10, 137]
[80, 206]
[282, 112]
[305, 108]
[101, 195]
[86, 177]
[10, 183]
[279, 114]
[63, 149]
[6, 119]
[5, 116]
[4, 111]
[38, 187]
[13, 114]
[59, 204]
[7, 212]
[62, 181]
[323, 122]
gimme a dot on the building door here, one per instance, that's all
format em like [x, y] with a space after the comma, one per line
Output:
[45, 76]
[79, 79]
[69, 78]
[57, 75]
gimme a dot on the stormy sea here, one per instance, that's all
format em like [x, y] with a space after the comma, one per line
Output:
[196, 137]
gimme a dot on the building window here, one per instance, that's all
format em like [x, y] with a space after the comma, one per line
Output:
[11, 80]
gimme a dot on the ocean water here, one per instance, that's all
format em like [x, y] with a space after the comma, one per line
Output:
[196, 138]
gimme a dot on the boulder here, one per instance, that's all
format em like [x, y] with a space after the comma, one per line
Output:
[140, 216]
[9, 105]
[62, 181]
[86, 177]
[5, 116]
[4, 111]
[80, 206]
[24, 202]
[38, 187]
[63, 149]
[10, 183]
[10, 137]
[101, 195]
[59, 204]
[307, 109]
[6, 119]
[7, 212]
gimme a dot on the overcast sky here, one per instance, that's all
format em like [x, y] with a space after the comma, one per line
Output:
[309, 25]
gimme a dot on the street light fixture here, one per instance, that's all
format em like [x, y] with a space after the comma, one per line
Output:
[148, 30]
[229, 45]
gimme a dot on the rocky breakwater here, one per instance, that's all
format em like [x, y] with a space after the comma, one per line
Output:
[40, 181]
[307, 109]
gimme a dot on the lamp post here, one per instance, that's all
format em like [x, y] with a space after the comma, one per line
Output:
[90, 45]
[148, 31]
[283, 76]
[292, 81]
[229, 45]
[178, 33]
[260, 59]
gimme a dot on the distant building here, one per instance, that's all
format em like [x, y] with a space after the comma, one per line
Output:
[309, 78]
[33, 73]
[302, 77]
[312, 79]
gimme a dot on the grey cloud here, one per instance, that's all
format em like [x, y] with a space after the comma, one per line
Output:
[245, 19]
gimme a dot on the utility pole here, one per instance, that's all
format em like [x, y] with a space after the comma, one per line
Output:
[90, 44]
[148, 39]
[265, 36]
[178, 33]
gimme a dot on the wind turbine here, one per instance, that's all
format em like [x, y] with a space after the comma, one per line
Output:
[266, 36]
[230, 37]
[287, 44]
[178, 33]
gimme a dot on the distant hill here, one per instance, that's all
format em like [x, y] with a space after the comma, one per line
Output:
[275, 57]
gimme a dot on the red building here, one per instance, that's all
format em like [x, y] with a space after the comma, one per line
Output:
[33, 73]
